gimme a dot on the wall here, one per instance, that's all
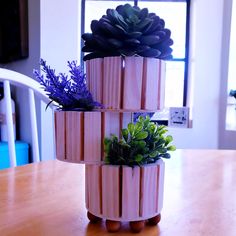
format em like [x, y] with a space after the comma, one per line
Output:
[59, 43]
[205, 70]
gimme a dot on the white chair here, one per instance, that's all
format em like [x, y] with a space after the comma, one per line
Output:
[9, 77]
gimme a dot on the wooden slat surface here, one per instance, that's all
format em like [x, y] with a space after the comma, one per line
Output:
[93, 189]
[92, 136]
[60, 120]
[148, 203]
[112, 82]
[130, 192]
[133, 72]
[150, 88]
[48, 198]
[94, 74]
[110, 191]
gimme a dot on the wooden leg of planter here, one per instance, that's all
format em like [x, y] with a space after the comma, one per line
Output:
[136, 226]
[93, 218]
[113, 226]
[154, 220]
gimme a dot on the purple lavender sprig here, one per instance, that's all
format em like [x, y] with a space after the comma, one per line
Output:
[70, 93]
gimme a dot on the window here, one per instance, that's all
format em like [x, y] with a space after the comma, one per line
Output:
[176, 16]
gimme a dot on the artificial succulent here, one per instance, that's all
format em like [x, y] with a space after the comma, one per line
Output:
[128, 31]
[69, 93]
[142, 143]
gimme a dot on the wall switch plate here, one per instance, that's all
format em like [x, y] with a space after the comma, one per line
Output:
[179, 117]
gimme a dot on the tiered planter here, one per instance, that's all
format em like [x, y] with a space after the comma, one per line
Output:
[115, 193]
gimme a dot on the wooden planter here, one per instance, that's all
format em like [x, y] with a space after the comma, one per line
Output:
[130, 83]
[115, 193]
[122, 193]
[80, 135]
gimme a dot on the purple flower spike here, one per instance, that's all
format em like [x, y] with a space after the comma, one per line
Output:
[71, 93]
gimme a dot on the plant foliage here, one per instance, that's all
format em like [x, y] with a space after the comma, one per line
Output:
[141, 143]
[128, 31]
[71, 93]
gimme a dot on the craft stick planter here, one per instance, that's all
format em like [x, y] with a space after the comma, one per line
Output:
[80, 135]
[127, 83]
[122, 193]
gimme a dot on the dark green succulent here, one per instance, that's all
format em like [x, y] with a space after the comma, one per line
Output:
[141, 143]
[128, 31]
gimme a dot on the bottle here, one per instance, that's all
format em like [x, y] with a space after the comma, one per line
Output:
[3, 125]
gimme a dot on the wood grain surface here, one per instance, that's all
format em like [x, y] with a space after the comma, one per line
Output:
[47, 198]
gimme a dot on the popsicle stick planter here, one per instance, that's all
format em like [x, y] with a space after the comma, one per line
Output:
[80, 135]
[122, 193]
[127, 83]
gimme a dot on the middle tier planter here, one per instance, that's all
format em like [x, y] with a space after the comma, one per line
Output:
[128, 83]
[80, 135]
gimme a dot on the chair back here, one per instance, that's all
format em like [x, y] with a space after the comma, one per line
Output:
[9, 77]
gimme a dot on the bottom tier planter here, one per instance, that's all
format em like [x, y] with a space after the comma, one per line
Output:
[122, 193]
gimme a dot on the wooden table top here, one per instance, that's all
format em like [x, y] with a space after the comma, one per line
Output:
[48, 199]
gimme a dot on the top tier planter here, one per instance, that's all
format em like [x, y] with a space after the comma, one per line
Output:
[127, 83]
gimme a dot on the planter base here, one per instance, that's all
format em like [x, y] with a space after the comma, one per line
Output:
[92, 218]
[113, 226]
[135, 226]
[155, 220]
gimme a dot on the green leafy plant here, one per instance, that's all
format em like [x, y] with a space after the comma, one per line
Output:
[142, 143]
[128, 31]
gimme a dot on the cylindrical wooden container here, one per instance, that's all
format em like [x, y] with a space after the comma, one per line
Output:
[128, 83]
[80, 135]
[123, 193]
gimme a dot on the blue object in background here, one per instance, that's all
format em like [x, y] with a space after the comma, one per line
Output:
[22, 154]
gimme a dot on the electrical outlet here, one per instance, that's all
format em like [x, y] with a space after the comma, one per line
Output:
[179, 117]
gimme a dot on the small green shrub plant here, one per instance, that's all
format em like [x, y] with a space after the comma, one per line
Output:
[142, 143]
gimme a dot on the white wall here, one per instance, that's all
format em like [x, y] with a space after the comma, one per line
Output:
[60, 35]
[59, 43]
[206, 74]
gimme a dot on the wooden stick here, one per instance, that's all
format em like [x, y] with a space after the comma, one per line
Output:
[151, 77]
[130, 192]
[110, 191]
[112, 82]
[110, 125]
[148, 191]
[160, 185]
[92, 136]
[93, 190]
[161, 85]
[95, 77]
[132, 83]
[60, 135]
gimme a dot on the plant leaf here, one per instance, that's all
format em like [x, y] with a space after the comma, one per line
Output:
[141, 135]
[125, 134]
[138, 158]
[171, 148]
[131, 128]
